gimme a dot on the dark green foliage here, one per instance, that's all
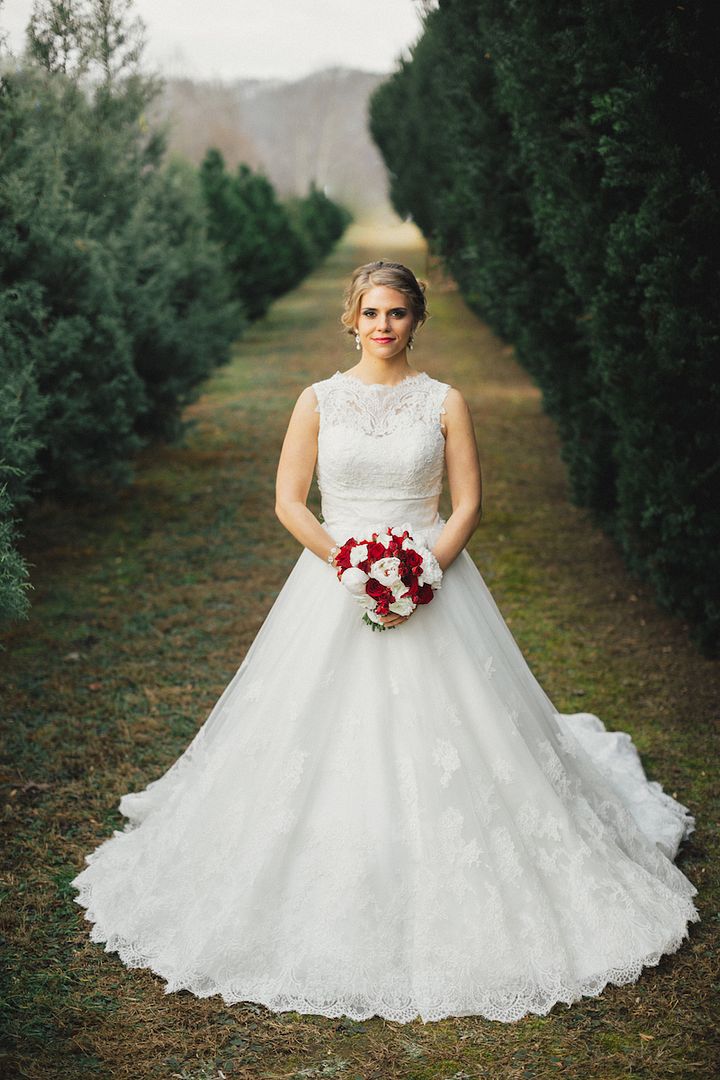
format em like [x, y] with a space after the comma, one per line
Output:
[22, 409]
[67, 315]
[319, 221]
[268, 246]
[22, 406]
[565, 163]
[114, 302]
[253, 230]
[175, 297]
[13, 571]
[456, 168]
[124, 279]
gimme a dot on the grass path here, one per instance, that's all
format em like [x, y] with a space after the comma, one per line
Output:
[142, 611]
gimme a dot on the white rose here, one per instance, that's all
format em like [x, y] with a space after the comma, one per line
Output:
[431, 573]
[398, 587]
[358, 554]
[403, 605]
[364, 600]
[354, 580]
[386, 570]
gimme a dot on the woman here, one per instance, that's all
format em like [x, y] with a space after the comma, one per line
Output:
[394, 824]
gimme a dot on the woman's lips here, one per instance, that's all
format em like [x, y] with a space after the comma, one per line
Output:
[382, 340]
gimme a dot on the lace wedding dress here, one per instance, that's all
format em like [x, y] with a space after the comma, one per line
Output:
[392, 823]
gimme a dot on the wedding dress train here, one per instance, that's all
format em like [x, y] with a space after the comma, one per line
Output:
[392, 823]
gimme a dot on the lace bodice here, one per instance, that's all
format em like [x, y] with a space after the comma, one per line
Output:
[381, 451]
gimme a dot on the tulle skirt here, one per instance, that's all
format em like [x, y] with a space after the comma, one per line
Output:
[394, 823]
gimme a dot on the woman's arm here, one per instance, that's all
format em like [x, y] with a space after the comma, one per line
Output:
[294, 476]
[464, 479]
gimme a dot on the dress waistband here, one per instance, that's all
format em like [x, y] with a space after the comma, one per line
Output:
[362, 517]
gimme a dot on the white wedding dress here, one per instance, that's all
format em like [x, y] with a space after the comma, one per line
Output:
[392, 823]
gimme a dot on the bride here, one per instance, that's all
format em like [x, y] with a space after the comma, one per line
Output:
[393, 824]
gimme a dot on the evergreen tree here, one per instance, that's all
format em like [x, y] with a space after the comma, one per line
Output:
[318, 220]
[66, 281]
[175, 296]
[115, 300]
[267, 245]
[114, 303]
[564, 162]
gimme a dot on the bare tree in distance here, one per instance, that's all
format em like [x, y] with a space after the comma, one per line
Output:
[56, 36]
[101, 39]
[118, 39]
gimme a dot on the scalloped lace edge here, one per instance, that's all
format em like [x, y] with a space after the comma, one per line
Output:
[506, 1007]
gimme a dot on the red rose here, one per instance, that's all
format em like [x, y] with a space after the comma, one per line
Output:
[342, 559]
[375, 551]
[412, 559]
[375, 589]
[424, 594]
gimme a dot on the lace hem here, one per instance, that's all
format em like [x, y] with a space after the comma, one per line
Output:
[506, 1005]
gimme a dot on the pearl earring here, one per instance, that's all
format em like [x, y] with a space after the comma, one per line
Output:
[410, 341]
[357, 341]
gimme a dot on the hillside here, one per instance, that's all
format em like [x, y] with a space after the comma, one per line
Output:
[295, 131]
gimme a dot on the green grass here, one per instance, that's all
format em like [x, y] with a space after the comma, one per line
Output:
[144, 606]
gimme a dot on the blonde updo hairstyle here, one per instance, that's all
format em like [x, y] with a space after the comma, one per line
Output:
[391, 274]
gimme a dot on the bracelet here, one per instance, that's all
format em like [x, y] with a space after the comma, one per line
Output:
[333, 552]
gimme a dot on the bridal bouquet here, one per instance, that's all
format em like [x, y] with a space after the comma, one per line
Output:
[388, 572]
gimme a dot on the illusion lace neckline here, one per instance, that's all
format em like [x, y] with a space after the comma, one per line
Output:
[382, 386]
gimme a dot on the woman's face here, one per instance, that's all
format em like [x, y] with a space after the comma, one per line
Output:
[385, 322]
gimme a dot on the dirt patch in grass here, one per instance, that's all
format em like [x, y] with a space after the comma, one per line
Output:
[143, 609]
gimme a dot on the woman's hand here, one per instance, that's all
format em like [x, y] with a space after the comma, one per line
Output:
[393, 619]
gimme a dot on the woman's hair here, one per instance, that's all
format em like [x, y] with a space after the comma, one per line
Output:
[395, 276]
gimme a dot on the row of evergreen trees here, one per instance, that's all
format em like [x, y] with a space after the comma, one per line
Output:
[124, 277]
[267, 245]
[564, 160]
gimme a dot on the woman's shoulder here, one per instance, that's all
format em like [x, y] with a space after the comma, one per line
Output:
[317, 391]
[308, 400]
[453, 397]
[449, 396]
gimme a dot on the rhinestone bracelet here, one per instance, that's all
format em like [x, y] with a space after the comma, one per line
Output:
[333, 552]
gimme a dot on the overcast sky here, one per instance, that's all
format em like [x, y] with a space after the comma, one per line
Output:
[286, 39]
